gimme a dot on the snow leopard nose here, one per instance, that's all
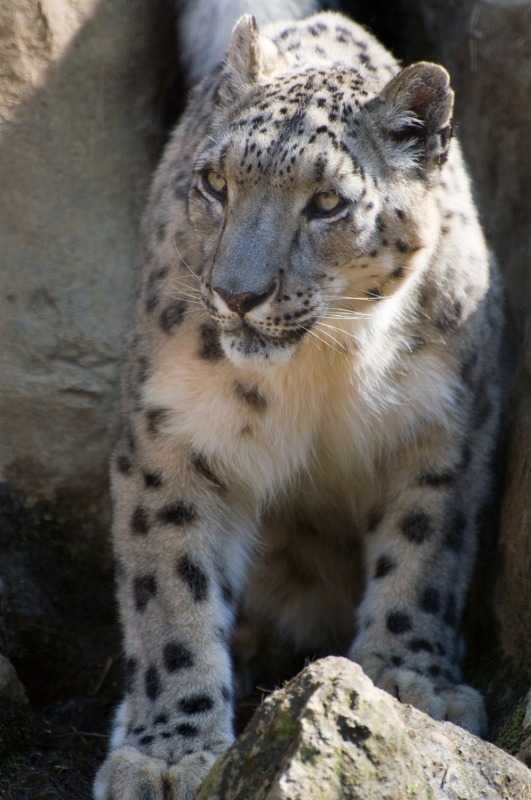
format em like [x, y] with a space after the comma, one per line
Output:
[245, 301]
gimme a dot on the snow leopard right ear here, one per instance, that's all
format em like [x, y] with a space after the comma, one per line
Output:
[251, 56]
[414, 111]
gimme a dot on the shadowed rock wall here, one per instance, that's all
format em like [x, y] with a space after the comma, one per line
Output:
[486, 46]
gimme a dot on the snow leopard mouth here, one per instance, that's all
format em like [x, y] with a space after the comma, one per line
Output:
[247, 342]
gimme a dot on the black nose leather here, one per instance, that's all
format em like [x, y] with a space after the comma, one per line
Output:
[245, 301]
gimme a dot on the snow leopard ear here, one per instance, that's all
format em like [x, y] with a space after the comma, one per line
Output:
[415, 113]
[250, 57]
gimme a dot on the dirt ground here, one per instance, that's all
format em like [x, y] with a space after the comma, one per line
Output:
[69, 740]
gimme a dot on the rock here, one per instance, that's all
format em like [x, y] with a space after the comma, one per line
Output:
[524, 748]
[331, 734]
[14, 716]
[486, 46]
[514, 586]
[78, 96]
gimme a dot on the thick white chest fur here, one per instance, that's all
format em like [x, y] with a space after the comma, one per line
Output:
[330, 417]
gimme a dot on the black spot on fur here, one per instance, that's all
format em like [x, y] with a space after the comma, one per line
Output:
[210, 348]
[155, 418]
[398, 622]
[201, 465]
[152, 301]
[123, 465]
[152, 480]
[146, 739]
[144, 588]
[450, 317]
[138, 729]
[176, 657]
[172, 316]
[416, 526]
[194, 577]
[196, 704]
[430, 600]
[186, 730]
[152, 683]
[384, 566]
[158, 274]
[380, 224]
[140, 521]
[178, 513]
[420, 645]
[160, 719]
[455, 528]
[251, 395]
[435, 479]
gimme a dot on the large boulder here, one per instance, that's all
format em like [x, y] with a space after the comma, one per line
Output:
[78, 90]
[331, 734]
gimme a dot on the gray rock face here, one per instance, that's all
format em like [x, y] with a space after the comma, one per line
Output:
[77, 148]
[486, 45]
[331, 735]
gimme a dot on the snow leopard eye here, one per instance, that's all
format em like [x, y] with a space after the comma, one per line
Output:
[215, 184]
[325, 204]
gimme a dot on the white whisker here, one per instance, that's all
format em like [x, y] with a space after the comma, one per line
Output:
[355, 299]
[342, 313]
[188, 267]
[338, 346]
[335, 346]
[338, 330]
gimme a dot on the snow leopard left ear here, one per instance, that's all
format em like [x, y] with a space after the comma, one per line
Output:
[415, 113]
[250, 57]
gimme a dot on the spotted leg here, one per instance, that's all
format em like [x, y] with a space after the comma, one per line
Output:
[179, 550]
[418, 544]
